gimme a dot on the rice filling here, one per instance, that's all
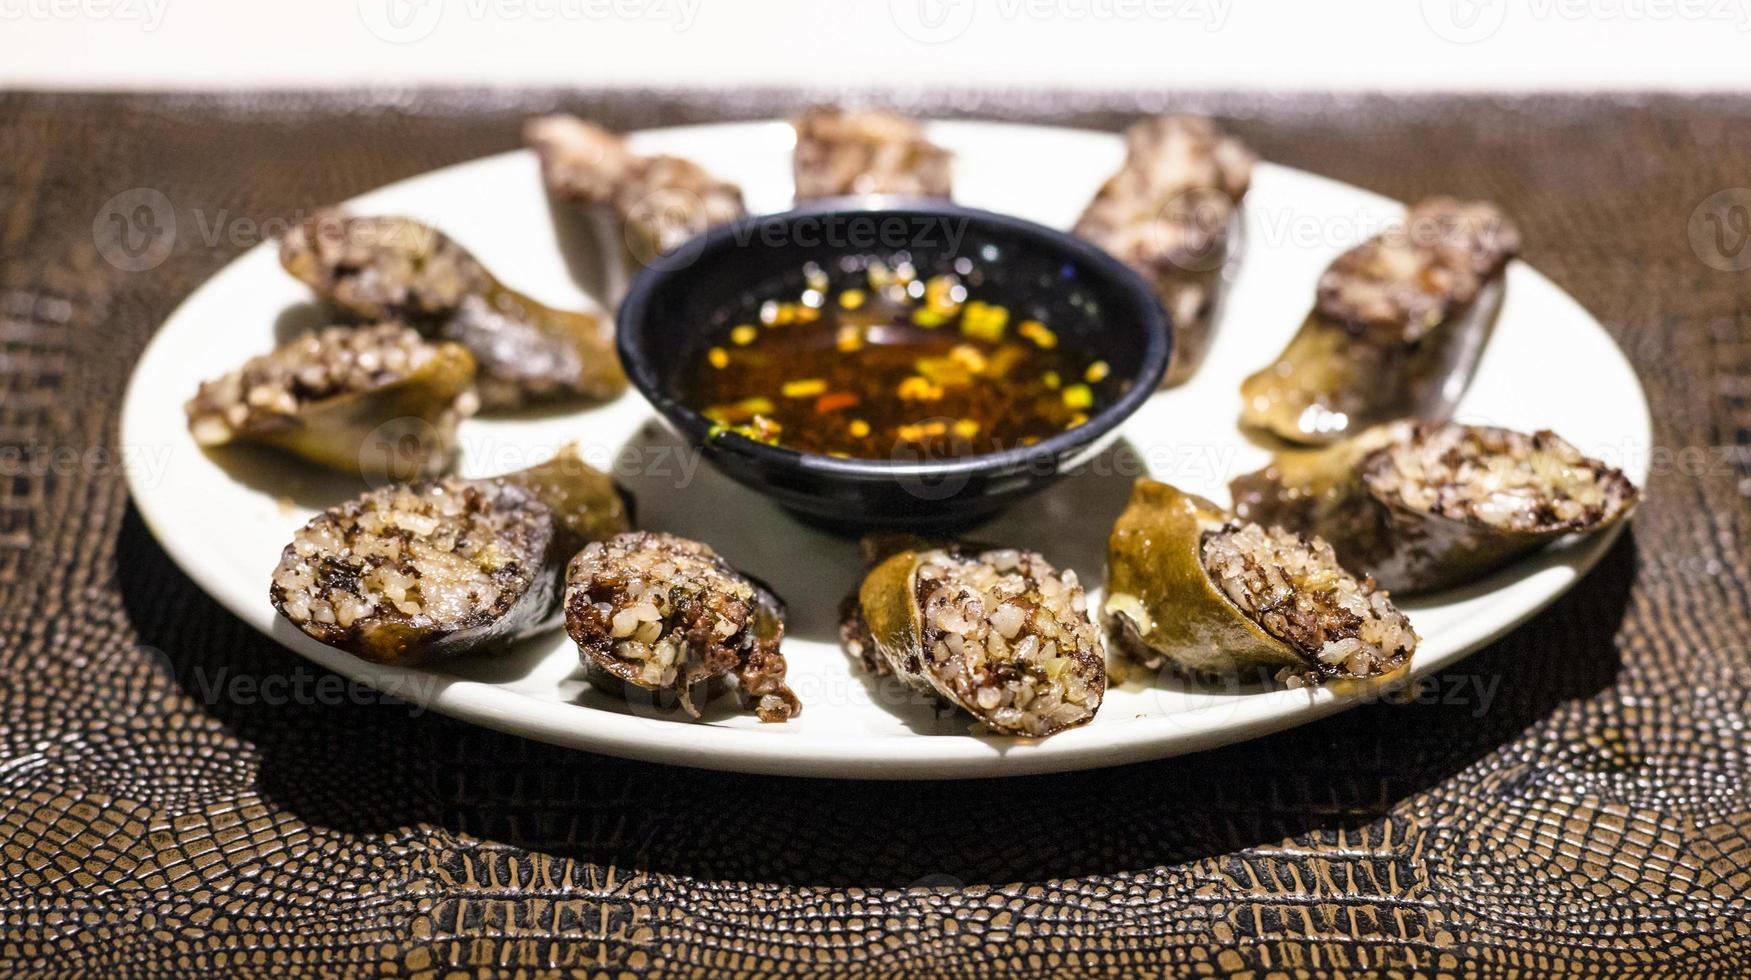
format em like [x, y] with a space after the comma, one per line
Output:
[1506, 480]
[383, 268]
[269, 391]
[668, 614]
[1001, 634]
[1295, 590]
[664, 200]
[413, 561]
[1403, 283]
[1170, 206]
[871, 152]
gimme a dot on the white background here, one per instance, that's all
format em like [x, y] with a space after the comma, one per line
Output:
[1228, 44]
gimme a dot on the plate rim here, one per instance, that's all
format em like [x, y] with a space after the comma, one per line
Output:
[825, 755]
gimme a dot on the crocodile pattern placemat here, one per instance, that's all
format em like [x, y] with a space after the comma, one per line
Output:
[1574, 800]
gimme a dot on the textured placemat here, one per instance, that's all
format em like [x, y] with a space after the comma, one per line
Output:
[1575, 800]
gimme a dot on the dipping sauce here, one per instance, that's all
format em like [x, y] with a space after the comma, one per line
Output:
[876, 361]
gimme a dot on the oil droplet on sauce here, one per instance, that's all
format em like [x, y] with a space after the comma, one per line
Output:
[883, 364]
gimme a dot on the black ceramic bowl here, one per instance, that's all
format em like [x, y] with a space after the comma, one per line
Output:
[1090, 300]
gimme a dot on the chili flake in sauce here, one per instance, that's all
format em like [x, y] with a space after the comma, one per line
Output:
[883, 363]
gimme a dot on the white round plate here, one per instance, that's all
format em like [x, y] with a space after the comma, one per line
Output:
[225, 516]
